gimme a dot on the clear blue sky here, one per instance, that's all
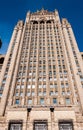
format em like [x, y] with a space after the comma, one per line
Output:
[13, 10]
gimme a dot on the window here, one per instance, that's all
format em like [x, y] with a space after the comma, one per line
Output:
[55, 78]
[51, 93]
[30, 73]
[54, 101]
[29, 86]
[68, 92]
[41, 101]
[62, 85]
[67, 85]
[16, 94]
[40, 93]
[4, 80]
[67, 101]
[44, 93]
[63, 93]
[40, 125]
[22, 86]
[18, 87]
[50, 78]
[56, 92]
[33, 93]
[28, 93]
[15, 126]
[81, 78]
[21, 94]
[29, 79]
[51, 86]
[29, 101]
[23, 80]
[17, 101]
[65, 125]
[0, 94]
[33, 86]
[19, 80]
[44, 86]
[40, 86]
[34, 80]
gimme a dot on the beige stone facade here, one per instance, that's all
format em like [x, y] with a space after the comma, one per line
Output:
[41, 82]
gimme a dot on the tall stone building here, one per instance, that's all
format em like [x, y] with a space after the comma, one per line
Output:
[41, 82]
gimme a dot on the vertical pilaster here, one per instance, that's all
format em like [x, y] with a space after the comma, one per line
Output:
[57, 66]
[28, 57]
[37, 68]
[47, 69]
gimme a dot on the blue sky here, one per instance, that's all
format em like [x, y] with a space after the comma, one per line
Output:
[13, 10]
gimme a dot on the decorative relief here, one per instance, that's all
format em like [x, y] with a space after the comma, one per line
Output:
[42, 12]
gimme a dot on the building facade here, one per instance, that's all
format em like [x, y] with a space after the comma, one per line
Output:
[41, 82]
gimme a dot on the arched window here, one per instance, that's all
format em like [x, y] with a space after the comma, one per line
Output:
[48, 21]
[35, 22]
[42, 22]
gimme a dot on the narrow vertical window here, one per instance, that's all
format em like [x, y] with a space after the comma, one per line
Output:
[54, 101]
[41, 101]
[67, 101]
[29, 101]
[17, 101]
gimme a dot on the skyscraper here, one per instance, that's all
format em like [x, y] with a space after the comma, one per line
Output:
[41, 82]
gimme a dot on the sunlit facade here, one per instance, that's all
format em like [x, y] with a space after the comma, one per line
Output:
[41, 82]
